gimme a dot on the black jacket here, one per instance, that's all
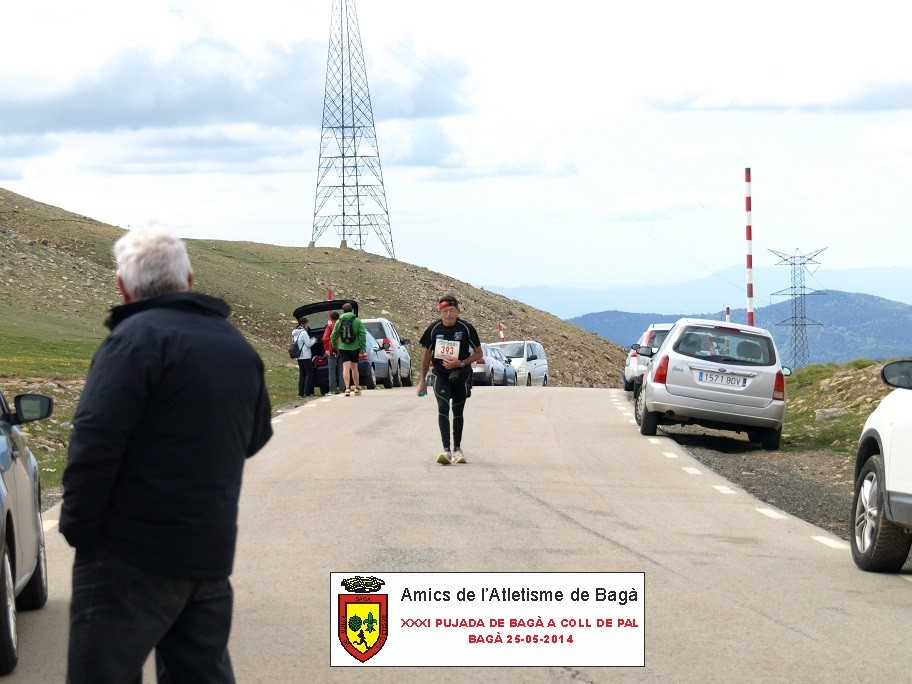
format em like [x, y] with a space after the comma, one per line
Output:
[174, 402]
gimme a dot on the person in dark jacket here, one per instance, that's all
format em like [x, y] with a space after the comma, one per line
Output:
[174, 402]
[451, 346]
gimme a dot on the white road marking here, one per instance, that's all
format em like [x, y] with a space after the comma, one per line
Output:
[276, 420]
[832, 543]
[669, 454]
[632, 422]
[655, 440]
[628, 414]
[770, 513]
[722, 489]
[49, 525]
[692, 471]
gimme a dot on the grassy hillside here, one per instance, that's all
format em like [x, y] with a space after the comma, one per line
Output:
[57, 285]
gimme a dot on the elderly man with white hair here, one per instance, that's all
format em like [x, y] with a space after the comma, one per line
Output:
[174, 402]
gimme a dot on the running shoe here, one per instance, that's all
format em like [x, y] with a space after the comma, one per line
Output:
[357, 391]
[347, 391]
[445, 457]
[458, 456]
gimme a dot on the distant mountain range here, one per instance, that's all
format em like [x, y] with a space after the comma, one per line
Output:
[852, 326]
[723, 288]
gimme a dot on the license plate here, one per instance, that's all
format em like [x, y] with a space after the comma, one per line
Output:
[720, 379]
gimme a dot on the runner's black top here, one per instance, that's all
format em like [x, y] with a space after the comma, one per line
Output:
[463, 336]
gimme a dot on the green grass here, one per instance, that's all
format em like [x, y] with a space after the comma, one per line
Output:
[806, 394]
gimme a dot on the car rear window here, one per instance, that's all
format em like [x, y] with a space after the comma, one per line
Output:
[726, 344]
[654, 338]
[375, 329]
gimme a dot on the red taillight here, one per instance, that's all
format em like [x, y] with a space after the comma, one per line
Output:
[385, 343]
[362, 356]
[779, 387]
[661, 373]
[320, 361]
[632, 354]
[480, 362]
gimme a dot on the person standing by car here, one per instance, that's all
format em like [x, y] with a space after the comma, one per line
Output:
[447, 342]
[332, 354]
[174, 403]
[301, 337]
[350, 337]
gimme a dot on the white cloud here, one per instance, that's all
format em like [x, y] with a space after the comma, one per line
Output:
[594, 125]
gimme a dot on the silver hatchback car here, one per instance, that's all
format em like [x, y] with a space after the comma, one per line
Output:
[716, 374]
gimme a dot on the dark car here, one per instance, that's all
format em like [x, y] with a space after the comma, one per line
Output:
[23, 567]
[370, 363]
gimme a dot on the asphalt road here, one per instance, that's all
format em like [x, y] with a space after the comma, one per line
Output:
[559, 480]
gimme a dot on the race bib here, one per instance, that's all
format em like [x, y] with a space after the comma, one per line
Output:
[445, 349]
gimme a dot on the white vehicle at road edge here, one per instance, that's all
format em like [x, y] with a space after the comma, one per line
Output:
[882, 499]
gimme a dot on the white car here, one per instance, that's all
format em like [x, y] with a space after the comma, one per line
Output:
[400, 360]
[882, 502]
[635, 365]
[528, 358]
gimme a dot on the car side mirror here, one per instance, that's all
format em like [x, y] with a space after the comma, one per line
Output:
[643, 350]
[532, 357]
[31, 407]
[897, 374]
[786, 371]
[405, 340]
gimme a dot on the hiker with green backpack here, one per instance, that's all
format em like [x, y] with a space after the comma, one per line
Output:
[350, 338]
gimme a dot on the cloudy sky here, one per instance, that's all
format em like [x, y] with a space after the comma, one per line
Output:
[522, 143]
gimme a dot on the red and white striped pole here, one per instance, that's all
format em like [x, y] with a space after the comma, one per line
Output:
[750, 247]
[500, 331]
[728, 314]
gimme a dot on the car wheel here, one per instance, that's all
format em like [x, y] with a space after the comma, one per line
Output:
[754, 436]
[504, 379]
[639, 405]
[628, 386]
[529, 380]
[388, 380]
[878, 545]
[545, 381]
[371, 380]
[771, 438]
[407, 380]
[9, 635]
[649, 420]
[35, 593]
[397, 376]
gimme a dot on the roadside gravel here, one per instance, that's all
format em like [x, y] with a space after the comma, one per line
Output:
[815, 486]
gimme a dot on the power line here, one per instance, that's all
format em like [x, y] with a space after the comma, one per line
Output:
[798, 321]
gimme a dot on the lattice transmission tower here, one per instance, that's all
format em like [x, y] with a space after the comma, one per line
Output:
[799, 321]
[350, 193]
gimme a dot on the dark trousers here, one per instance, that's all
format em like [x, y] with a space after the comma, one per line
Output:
[119, 613]
[334, 369]
[305, 377]
[451, 389]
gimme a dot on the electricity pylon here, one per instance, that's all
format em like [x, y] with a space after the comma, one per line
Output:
[350, 193]
[799, 321]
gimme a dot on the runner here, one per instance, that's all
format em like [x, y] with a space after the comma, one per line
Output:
[447, 343]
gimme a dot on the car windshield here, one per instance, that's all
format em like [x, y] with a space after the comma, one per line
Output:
[727, 344]
[512, 350]
[375, 329]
